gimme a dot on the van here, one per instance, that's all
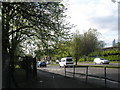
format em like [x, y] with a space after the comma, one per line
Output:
[67, 61]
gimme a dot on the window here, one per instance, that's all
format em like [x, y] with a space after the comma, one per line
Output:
[69, 60]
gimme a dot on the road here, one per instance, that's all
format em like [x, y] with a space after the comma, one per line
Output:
[50, 78]
[111, 73]
[112, 64]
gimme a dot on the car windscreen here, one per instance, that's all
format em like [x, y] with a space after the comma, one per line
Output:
[69, 60]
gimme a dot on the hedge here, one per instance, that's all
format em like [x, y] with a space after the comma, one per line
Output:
[105, 53]
[112, 55]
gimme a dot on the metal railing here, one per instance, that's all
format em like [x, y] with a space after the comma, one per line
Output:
[89, 75]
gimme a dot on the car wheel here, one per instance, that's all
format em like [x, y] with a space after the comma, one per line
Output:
[60, 66]
[101, 63]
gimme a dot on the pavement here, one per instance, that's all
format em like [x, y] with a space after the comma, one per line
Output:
[51, 80]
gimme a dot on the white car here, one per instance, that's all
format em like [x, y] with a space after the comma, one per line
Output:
[38, 63]
[49, 62]
[101, 61]
[57, 61]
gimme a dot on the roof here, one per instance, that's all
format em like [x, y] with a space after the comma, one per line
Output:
[115, 47]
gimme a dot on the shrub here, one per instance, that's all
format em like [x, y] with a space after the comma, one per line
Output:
[81, 59]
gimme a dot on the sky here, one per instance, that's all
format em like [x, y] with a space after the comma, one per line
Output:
[96, 14]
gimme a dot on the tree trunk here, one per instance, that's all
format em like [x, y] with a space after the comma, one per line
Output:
[76, 60]
[12, 67]
[34, 68]
[5, 50]
[5, 70]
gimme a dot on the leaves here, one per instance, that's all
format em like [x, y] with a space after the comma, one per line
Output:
[40, 22]
[83, 44]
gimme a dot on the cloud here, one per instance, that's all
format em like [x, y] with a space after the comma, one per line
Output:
[106, 22]
[99, 14]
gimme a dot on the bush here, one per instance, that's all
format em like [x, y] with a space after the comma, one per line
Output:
[112, 55]
[86, 59]
[105, 53]
[17, 66]
[81, 60]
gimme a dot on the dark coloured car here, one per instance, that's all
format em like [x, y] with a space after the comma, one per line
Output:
[42, 64]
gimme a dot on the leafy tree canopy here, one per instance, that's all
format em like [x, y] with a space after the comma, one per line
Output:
[83, 44]
[40, 22]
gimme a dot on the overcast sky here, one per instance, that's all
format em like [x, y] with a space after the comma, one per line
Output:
[98, 14]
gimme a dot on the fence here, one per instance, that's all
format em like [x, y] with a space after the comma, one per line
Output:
[89, 75]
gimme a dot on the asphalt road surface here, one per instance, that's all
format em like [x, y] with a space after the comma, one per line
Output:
[48, 79]
[56, 70]
[53, 76]
[112, 64]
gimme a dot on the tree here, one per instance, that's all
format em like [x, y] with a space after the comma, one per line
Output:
[83, 44]
[22, 21]
[62, 49]
[76, 46]
[90, 42]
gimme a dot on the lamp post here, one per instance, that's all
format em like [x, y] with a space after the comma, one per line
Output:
[118, 1]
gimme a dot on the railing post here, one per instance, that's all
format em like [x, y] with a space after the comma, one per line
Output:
[65, 70]
[105, 76]
[86, 73]
[74, 71]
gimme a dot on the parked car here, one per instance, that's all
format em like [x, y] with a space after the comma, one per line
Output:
[38, 63]
[49, 62]
[66, 62]
[41, 64]
[101, 61]
[57, 61]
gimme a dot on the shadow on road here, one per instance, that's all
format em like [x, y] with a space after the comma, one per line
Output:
[47, 79]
